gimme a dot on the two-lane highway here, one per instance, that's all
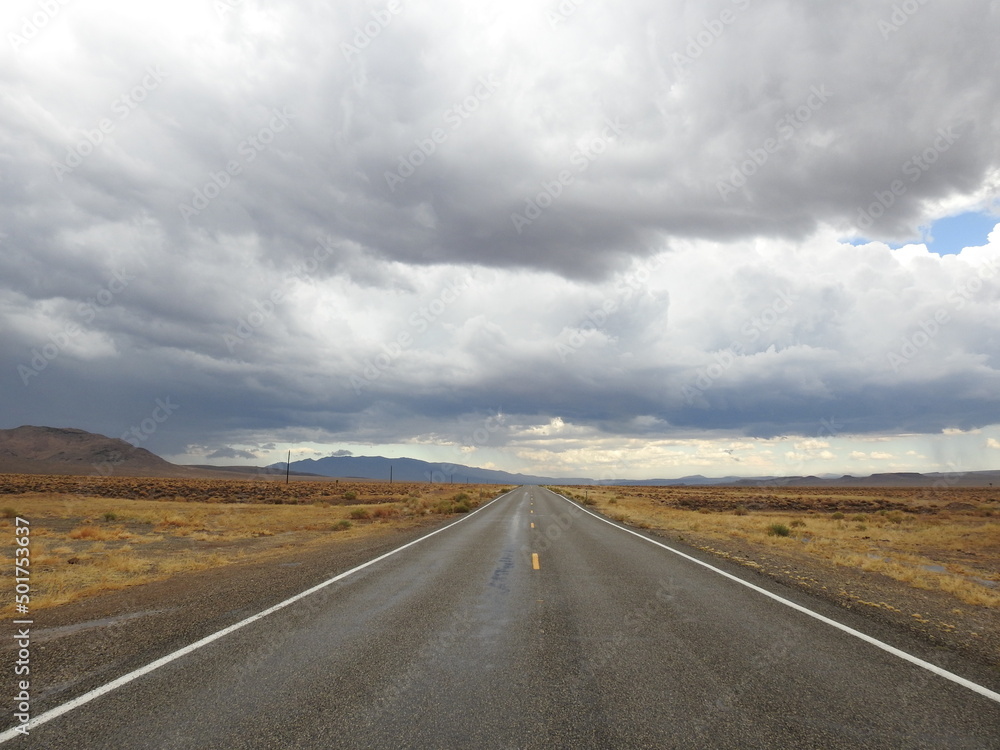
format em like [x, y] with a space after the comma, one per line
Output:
[532, 623]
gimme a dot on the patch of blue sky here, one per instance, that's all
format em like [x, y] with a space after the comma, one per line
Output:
[952, 234]
[948, 235]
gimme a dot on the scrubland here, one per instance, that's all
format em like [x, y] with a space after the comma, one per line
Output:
[90, 534]
[932, 539]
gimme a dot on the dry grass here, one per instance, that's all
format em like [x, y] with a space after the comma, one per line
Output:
[83, 545]
[260, 490]
[947, 540]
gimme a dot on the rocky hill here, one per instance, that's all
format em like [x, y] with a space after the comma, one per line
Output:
[55, 450]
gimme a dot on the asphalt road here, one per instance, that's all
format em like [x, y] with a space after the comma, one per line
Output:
[467, 640]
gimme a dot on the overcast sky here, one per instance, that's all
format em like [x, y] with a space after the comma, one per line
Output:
[642, 239]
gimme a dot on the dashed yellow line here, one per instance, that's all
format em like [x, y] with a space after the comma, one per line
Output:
[534, 560]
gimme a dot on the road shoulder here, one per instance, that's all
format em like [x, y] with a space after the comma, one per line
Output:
[82, 645]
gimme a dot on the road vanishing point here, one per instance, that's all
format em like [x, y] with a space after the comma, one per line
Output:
[534, 623]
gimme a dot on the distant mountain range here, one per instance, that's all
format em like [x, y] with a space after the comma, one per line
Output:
[414, 470]
[52, 450]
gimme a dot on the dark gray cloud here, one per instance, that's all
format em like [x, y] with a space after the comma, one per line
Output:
[549, 213]
[231, 453]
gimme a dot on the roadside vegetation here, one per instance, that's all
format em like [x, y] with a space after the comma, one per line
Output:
[116, 532]
[933, 539]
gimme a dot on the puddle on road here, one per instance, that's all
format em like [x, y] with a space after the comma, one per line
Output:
[500, 574]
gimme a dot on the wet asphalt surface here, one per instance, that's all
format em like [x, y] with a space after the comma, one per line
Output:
[459, 641]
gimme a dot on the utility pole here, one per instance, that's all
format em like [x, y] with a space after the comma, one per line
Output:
[390, 473]
[288, 465]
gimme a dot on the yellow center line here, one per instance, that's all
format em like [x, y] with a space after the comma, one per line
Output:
[532, 524]
[534, 560]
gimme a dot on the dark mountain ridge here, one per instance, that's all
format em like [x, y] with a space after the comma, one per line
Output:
[54, 450]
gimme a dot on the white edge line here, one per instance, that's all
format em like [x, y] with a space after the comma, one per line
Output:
[53, 713]
[984, 691]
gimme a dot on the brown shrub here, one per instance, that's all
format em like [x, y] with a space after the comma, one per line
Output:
[90, 532]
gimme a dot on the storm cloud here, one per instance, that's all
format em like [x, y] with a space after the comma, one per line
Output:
[390, 223]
